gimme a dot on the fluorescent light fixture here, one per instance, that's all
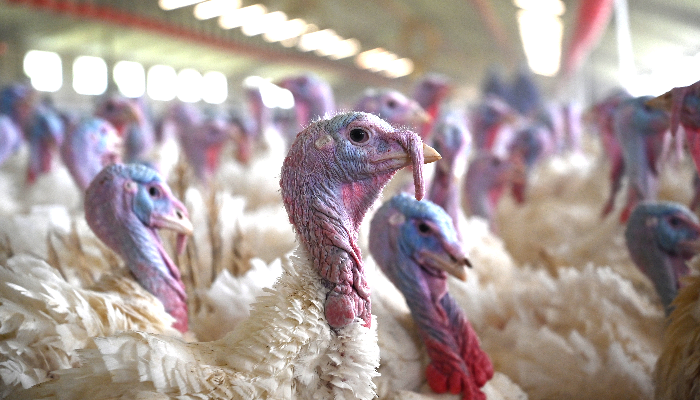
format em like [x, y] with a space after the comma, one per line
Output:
[367, 59]
[399, 68]
[189, 85]
[328, 45]
[214, 87]
[161, 83]
[264, 23]
[541, 35]
[381, 61]
[286, 30]
[130, 78]
[318, 39]
[89, 75]
[168, 5]
[375, 60]
[241, 16]
[550, 7]
[345, 48]
[214, 8]
[44, 70]
[254, 81]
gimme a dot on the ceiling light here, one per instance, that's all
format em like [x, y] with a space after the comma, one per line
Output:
[161, 82]
[189, 85]
[254, 81]
[285, 31]
[399, 68]
[215, 87]
[541, 35]
[346, 48]
[168, 5]
[316, 40]
[328, 44]
[241, 16]
[89, 75]
[130, 78]
[263, 23]
[44, 70]
[551, 7]
[375, 59]
[214, 8]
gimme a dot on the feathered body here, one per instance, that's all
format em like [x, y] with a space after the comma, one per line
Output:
[45, 319]
[678, 367]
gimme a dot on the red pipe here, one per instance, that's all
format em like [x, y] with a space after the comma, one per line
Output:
[107, 14]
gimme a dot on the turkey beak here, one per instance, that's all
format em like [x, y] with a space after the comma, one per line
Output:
[410, 155]
[664, 102]
[691, 246]
[452, 261]
[430, 154]
[176, 220]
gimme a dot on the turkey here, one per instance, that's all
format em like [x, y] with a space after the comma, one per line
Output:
[640, 131]
[662, 237]
[15, 113]
[47, 318]
[130, 118]
[202, 145]
[312, 334]
[313, 97]
[44, 134]
[452, 139]
[416, 246]
[88, 148]
[601, 116]
[124, 205]
[487, 178]
[392, 106]
[431, 92]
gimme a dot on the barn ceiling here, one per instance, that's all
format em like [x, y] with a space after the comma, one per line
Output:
[452, 37]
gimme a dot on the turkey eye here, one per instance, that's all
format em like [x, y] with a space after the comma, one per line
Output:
[153, 191]
[675, 222]
[423, 227]
[358, 135]
[392, 103]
